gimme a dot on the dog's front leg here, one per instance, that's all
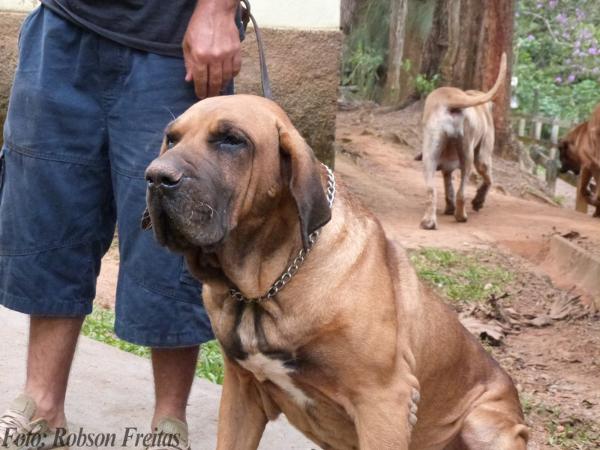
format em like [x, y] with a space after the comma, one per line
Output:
[597, 213]
[242, 418]
[584, 180]
[450, 196]
[385, 421]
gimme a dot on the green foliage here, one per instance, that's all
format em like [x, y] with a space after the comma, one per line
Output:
[100, 326]
[557, 49]
[460, 277]
[365, 49]
[364, 64]
[210, 365]
[425, 85]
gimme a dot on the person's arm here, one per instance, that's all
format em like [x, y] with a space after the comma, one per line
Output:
[211, 46]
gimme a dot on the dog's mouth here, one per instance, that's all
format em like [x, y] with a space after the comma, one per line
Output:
[181, 223]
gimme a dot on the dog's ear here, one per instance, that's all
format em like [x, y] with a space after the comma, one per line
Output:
[146, 222]
[304, 181]
[164, 146]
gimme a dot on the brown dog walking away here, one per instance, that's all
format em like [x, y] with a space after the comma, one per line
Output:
[458, 130]
[580, 153]
[351, 347]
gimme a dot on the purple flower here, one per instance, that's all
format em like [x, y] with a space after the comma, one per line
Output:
[531, 37]
[561, 18]
[558, 80]
[552, 4]
[571, 78]
[593, 51]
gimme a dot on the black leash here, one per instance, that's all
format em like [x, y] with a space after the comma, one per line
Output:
[265, 81]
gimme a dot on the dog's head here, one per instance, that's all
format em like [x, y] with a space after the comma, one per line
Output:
[567, 159]
[567, 149]
[229, 163]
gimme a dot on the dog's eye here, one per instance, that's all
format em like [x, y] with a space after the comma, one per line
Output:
[171, 141]
[229, 142]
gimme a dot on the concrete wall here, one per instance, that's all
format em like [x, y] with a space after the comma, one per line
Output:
[302, 45]
[9, 32]
[18, 5]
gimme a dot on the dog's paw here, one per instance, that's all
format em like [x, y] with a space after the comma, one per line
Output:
[460, 217]
[414, 406]
[429, 224]
[477, 204]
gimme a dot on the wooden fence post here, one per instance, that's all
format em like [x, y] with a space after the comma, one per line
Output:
[522, 125]
[537, 132]
[581, 203]
[552, 163]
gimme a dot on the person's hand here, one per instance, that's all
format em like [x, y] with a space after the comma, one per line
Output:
[211, 47]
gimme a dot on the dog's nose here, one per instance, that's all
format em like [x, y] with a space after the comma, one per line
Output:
[162, 175]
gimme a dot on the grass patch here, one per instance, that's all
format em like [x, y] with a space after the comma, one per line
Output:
[458, 276]
[559, 199]
[100, 326]
[563, 431]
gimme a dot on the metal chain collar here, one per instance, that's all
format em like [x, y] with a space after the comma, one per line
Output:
[298, 260]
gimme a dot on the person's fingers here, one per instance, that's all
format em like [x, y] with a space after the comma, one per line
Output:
[188, 69]
[236, 64]
[227, 73]
[201, 81]
[215, 79]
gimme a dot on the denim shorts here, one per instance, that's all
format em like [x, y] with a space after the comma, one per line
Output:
[86, 116]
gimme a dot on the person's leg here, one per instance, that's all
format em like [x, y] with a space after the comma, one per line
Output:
[56, 207]
[52, 343]
[158, 304]
[174, 371]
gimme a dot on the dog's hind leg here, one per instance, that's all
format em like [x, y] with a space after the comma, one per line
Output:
[450, 195]
[483, 165]
[495, 425]
[496, 421]
[431, 153]
[466, 164]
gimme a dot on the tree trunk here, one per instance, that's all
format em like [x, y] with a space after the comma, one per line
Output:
[465, 45]
[349, 12]
[397, 33]
[497, 37]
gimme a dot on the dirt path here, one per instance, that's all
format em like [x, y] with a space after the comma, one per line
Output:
[557, 368]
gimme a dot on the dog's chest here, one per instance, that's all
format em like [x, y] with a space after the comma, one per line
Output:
[274, 370]
[263, 351]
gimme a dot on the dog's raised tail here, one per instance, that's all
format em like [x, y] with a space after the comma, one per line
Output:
[461, 100]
